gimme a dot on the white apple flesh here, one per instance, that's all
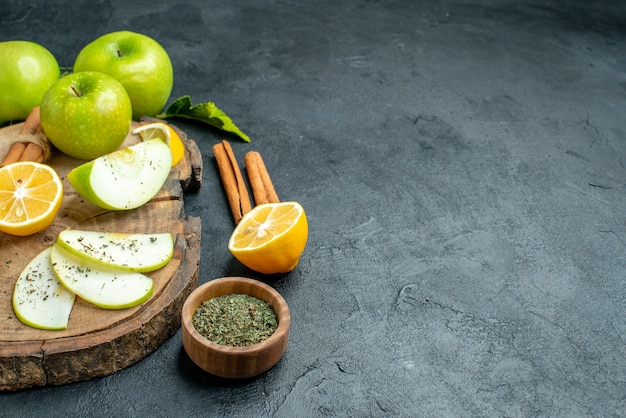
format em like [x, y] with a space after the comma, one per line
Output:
[123, 251]
[124, 179]
[39, 299]
[105, 288]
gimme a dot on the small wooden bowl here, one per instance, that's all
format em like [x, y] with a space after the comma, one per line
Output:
[230, 361]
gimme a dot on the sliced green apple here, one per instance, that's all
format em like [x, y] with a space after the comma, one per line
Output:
[123, 251]
[39, 299]
[105, 288]
[124, 179]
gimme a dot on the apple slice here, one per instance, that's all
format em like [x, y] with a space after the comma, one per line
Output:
[105, 288]
[39, 299]
[124, 179]
[123, 251]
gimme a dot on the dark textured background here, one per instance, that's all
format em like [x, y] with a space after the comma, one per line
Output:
[462, 164]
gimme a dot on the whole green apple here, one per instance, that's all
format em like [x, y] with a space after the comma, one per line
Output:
[86, 114]
[27, 70]
[138, 62]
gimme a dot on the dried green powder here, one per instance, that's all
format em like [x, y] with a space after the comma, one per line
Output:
[235, 319]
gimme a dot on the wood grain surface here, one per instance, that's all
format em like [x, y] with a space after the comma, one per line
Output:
[99, 342]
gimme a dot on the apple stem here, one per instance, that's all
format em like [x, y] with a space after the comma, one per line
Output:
[76, 91]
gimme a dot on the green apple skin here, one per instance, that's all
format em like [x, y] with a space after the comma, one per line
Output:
[27, 72]
[126, 178]
[122, 251]
[138, 62]
[86, 114]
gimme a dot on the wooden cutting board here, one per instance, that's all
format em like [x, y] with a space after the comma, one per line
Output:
[99, 342]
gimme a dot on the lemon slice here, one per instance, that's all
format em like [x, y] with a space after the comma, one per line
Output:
[166, 133]
[271, 237]
[30, 197]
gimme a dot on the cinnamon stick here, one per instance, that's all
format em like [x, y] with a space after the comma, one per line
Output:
[14, 154]
[30, 144]
[232, 180]
[33, 152]
[260, 181]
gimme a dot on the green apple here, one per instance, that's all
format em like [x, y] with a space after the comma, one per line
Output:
[39, 299]
[105, 288]
[28, 71]
[86, 115]
[124, 179]
[123, 251]
[138, 62]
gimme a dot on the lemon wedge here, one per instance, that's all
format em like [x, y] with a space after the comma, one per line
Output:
[167, 134]
[271, 237]
[30, 197]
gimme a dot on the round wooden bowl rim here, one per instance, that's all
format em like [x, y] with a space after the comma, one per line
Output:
[196, 298]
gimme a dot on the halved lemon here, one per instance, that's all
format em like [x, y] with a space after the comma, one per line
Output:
[271, 237]
[166, 133]
[30, 197]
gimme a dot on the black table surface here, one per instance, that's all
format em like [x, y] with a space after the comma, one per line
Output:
[463, 169]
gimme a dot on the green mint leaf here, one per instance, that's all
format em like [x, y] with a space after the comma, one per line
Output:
[205, 112]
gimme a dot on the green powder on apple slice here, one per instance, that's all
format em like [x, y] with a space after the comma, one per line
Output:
[124, 251]
[39, 299]
[104, 287]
